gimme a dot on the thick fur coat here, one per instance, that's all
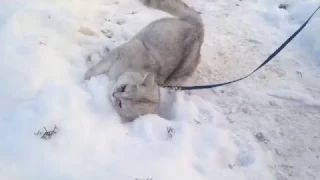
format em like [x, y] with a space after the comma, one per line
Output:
[166, 49]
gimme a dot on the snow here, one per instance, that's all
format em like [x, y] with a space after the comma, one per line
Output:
[264, 127]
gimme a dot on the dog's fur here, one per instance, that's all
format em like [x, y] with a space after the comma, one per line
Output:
[167, 49]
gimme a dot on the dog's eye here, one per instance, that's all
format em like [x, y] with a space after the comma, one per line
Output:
[123, 88]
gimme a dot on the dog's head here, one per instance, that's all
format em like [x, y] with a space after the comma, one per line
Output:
[135, 95]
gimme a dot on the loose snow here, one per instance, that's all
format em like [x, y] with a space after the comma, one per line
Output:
[262, 128]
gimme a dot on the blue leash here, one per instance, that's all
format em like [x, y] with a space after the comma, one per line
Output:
[264, 63]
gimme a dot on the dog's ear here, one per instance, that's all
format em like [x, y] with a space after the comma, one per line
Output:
[148, 79]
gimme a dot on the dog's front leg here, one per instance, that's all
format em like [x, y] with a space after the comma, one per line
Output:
[100, 68]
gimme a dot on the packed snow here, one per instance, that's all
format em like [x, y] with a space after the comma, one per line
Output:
[266, 127]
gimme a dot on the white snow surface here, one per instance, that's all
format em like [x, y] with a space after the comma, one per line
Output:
[263, 128]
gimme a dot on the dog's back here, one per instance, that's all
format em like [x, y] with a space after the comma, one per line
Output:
[176, 41]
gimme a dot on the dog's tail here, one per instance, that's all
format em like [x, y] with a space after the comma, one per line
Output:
[176, 8]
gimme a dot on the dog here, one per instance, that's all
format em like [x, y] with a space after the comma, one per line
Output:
[166, 49]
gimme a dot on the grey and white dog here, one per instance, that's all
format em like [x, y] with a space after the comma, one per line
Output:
[167, 49]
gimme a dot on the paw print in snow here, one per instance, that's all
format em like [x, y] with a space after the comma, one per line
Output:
[108, 33]
[120, 21]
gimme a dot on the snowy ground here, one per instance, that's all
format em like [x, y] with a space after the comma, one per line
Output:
[265, 127]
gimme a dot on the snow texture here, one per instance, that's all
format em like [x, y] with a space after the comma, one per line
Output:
[263, 128]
